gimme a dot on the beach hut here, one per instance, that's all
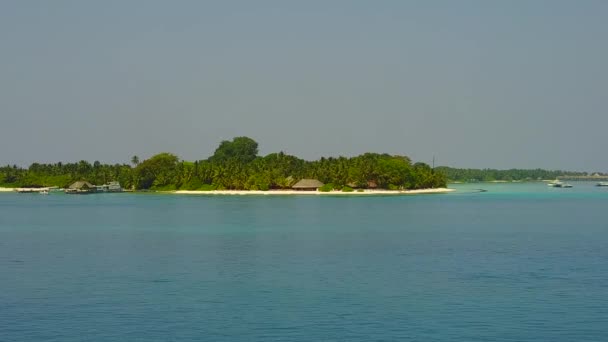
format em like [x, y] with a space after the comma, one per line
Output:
[81, 187]
[307, 185]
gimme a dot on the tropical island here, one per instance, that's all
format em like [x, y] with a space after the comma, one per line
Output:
[236, 166]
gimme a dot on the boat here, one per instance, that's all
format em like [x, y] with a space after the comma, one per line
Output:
[44, 192]
[31, 190]
[26, 190]
[559, 184]
[110, 187]
[602, 184]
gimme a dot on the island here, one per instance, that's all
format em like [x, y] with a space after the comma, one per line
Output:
[237, 167]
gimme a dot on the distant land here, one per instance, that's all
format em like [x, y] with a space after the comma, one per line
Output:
[236, 165]
[521, 175]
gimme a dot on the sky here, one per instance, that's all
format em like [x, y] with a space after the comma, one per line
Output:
[480, 84]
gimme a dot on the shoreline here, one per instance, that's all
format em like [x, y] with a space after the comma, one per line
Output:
[366, 192]
[309, 193]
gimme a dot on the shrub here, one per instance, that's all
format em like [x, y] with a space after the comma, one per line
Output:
[207, 187]
[347, 189]
[360, 190]
[393, 187]
[326, 188]
[193, 184]
[168, 187]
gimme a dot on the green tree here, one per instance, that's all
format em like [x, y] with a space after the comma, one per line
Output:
[240, 149]
[158, 171]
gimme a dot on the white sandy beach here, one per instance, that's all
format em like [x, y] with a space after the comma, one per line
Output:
[333, 193]
[6, 189]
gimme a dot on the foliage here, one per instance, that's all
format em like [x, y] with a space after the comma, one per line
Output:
[235, 165]
[240, 149]
[326, 188]
[347, 189]
[488, 175]
[62, 175]
[157, 172]
[207, 187]
[166, 187]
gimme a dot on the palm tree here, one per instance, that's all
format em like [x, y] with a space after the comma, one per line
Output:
[135, 160]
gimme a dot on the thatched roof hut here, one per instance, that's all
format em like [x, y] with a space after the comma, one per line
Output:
[307, 184]
[82, 185]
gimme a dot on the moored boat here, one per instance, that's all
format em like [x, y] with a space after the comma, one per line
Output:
[110, 187]
[559, 184]
[31, 190]
[602, 184]
[556, 183]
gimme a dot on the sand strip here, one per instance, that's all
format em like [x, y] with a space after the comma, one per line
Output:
[294, 192]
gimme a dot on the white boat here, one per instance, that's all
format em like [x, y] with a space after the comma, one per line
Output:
[559, 184]
[110, 187]
[31, 190]
[44, 192]
[602, 184]
[556, 183]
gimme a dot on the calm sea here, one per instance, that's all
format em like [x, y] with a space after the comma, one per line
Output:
[521, 262]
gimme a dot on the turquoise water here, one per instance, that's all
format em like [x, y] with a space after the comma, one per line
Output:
[520, 262]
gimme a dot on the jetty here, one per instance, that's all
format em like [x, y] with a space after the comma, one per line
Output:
[31, 190]
[84, 187]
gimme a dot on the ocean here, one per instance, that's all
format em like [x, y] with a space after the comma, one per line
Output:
[520, 262]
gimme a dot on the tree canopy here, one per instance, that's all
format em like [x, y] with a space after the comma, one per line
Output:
[240, 149]
[488, 175]
[158, 171]
[235, 164]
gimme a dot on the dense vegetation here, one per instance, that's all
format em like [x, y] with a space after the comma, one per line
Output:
[234, 165]
[487, 175]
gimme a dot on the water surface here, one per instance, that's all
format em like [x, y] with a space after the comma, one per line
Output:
[520, 262]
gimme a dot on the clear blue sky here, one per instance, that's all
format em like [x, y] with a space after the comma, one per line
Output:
[475, 83]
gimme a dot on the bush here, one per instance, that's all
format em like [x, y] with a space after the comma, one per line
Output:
[347, 189]
[168, 187]
[207, 187]
[326, 188]
[193, 184]
[394, 187]
[360, 190]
